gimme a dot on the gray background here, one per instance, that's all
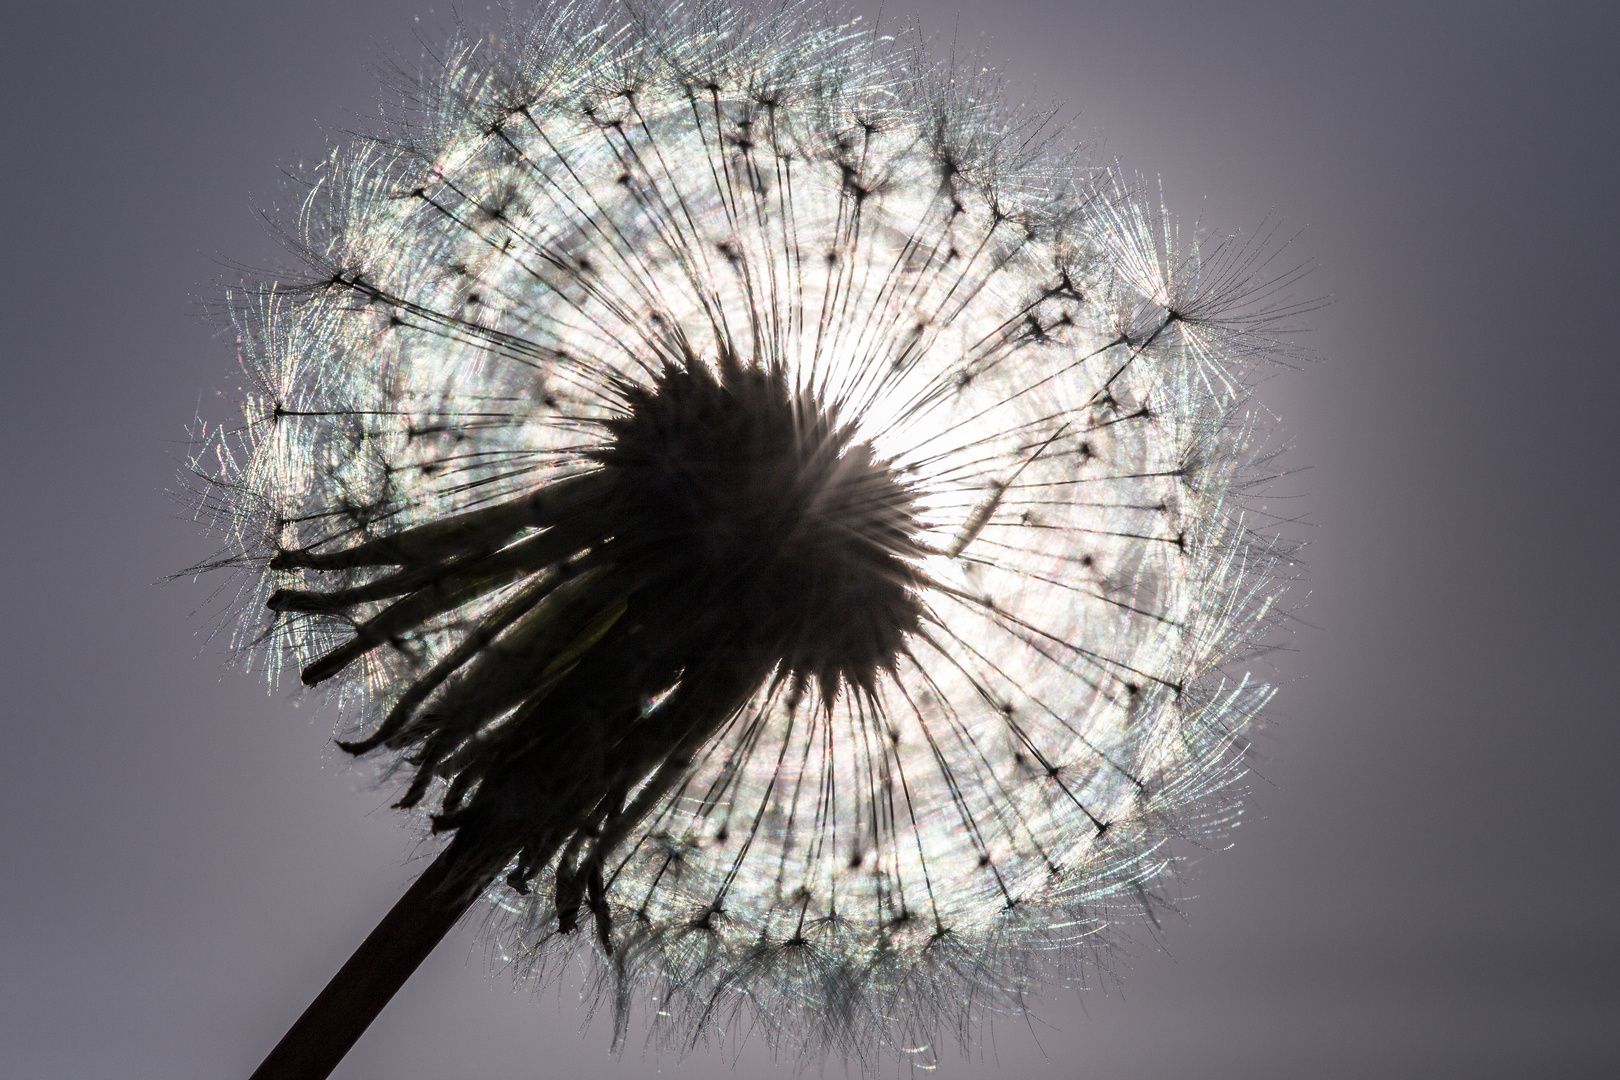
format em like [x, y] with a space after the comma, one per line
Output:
[1426, 884]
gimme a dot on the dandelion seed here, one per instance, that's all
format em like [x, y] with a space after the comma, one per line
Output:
[778, 512]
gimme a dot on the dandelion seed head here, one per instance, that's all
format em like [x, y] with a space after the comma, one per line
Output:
[766, 477]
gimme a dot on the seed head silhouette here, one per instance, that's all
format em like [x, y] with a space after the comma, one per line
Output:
[781, 515]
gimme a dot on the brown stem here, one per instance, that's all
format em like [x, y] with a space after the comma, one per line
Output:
[315, 1044]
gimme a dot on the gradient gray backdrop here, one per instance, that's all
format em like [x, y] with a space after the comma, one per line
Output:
[1426, 884]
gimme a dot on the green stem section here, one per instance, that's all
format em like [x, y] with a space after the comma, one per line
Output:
[315, 1044]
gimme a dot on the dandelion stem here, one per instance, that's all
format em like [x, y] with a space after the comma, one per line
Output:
[337, 1018]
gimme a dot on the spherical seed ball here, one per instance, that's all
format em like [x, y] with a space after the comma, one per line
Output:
[756, 474]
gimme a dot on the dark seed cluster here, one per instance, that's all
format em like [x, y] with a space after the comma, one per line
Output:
[753, 511]
[731, 532]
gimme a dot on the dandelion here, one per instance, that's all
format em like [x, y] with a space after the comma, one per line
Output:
[777, 511]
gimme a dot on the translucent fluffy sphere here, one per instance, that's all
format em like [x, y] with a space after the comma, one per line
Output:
[754, 473]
